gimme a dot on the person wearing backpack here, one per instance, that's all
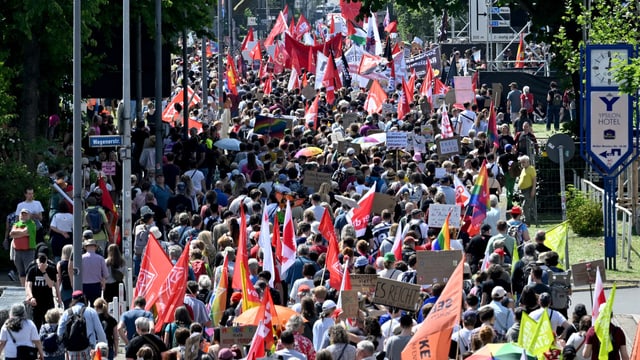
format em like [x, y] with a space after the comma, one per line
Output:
[51, 343]
[80, 328]
[554, 103]
[95, 219]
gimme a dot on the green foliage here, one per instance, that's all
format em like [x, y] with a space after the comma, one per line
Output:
[414, 22]
[436, 6]
[585, 215]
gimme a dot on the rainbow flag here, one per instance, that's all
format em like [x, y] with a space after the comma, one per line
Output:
[479, 202]
[218, 302]
[443, 241]
[269, 125]
[493, 127]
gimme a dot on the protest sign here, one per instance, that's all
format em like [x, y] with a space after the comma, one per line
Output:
[364, 282]
[585, 273]
[382, 201]
[447, 147]
[436, 266]
[396, 140]
[109, 167]
[239, 335]
[438, 214]
[313, 179]
[397, 294]
[350, 303]
[348, 119]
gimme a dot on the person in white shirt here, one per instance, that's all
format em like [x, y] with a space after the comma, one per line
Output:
[288, 341]
[29, 203]
[466, 120]
[493, 215]
[557, 319]
[463, 336]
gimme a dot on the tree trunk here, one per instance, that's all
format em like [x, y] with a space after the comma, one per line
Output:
[30, 92]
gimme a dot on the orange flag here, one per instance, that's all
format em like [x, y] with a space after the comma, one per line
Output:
[520, 54]
[432, 339]
[152, 273]
[172, 291]
[241, 280]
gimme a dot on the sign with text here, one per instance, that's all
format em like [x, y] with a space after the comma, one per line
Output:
[609, 139]
[418, 63]
[438, 214]
[313, 179]
[448, 147]
[397, 140]
[350, 303]
[239, 335]
[109, 167]
[436, 266]
[364, 282]
[585, 273]
[397, 294]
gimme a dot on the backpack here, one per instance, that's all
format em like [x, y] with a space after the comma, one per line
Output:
[500, 177]
[557, 99]
[116, 274]
[560, 284]
[50, 342]
[514, 169]
[141, 241]
[75, 337]
[415, 226]
[94, 220]
[515, 231]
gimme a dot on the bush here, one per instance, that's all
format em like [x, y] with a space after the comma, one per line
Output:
[585, 215]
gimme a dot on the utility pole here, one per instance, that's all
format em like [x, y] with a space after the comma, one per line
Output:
[158, 87]
[125, 106]
[77, 145]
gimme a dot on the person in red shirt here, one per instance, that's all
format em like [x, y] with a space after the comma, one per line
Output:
[618, 339]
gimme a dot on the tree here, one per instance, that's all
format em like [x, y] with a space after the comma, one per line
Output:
[412, 22]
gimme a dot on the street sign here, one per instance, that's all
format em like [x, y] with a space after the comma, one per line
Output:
[610, 128]
[252, 21]
[105, 141]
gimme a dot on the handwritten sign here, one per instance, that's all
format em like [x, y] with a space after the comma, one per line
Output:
[447, 147]
[397, 294]
[364, 282]
[585, 273]
[438, 214]
[344, 145]
[397, 140]
[313, 179]
[436, 266]
[382, 201]
[109, 167]
[350, 303]
[239, 335]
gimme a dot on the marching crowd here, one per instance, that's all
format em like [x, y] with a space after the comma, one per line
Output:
[202, 190]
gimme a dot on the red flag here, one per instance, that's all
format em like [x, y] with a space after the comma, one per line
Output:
[152, 273]
[331, 80]
[303, 26]
[412, 82]
[440, 88]
[333, 263]
[285, 12]
[262, 72]
[520, 54]
[247, 39]
[280, 58]
[267, 314]
[351, 29]
[267, 86]
[256, 52]
[232, 76]
[403, 101]
[332, 27]
[292, 28]
[278, 28]
[256, 350]
[275, 241]
[310, 59]
[241, 274]
[288, 241]
[427, 86]
[350, 9]
[392, 27]
[359, 217]
[432, 339]
[598, 295]
[294, 82]
[445, 124]
[474, 81]
[396, 249]
[172, 291]
[311, 114]
[107, 203]
[305, 80]
[376, 97]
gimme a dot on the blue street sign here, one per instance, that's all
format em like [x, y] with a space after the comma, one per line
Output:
[105, 140]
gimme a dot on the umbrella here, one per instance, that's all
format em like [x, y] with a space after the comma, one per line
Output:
[250, 317]
[508, 351]
[381, 137]
[366, 140]
[310, 151]
[228, 144]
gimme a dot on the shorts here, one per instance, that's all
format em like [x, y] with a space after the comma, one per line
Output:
[80, 355]
[22, 259]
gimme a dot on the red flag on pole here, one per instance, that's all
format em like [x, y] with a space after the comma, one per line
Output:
[312, 113]
[279, 27]
[152, 273]
[333, 263]
[288, 241]
[247, 39]
[256, 52]
[359, 217]
[241, 274]
[331, 80]
[172, 291]
[520, 54]
[376, 97]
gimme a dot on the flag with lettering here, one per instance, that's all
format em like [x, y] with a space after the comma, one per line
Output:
[172, 291]
[432, 339]
[152, 273]
[333, 263]
[359, 217]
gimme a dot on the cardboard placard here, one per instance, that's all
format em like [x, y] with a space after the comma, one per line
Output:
[348, 119]
[109, 167]
[438, 214]
[397, 294]
[240, 335]
[350, 304]
[382, 201]
[448, 147]
[386, 107]
[436, 266]
[585, 273]
[313, 179]
[345, 144]
[308, 92]
[364, 282]
[397, 140]
[440, 172]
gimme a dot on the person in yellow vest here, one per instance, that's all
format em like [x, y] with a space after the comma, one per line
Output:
[527, 185]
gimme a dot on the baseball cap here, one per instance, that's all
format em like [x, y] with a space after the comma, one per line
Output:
[304, 288]
[328, 304]
[361, 261]
[498, 292]
[515, 210]
[87, 234]
[145, 210]
[389, 257]
[226, 354]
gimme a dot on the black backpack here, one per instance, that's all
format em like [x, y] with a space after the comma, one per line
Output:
[50, 341]
[75, 337]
